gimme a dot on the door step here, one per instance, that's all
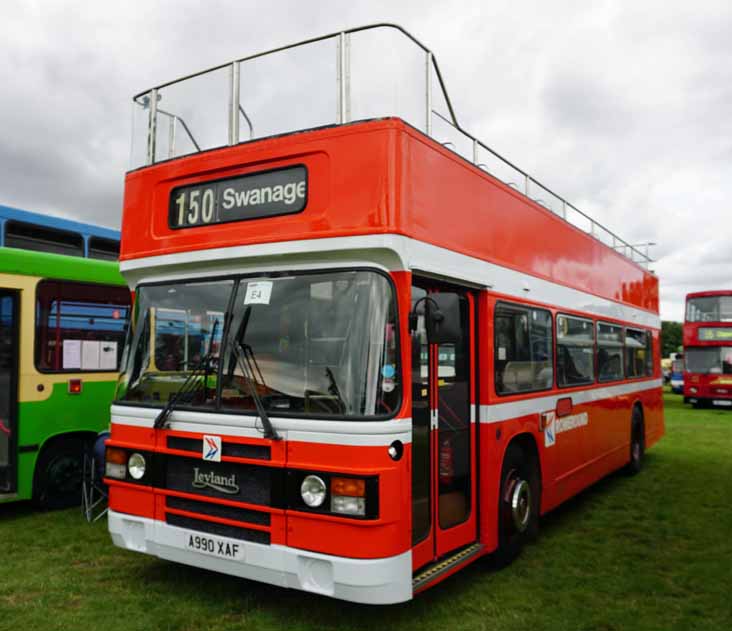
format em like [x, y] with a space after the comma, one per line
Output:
[445, 565]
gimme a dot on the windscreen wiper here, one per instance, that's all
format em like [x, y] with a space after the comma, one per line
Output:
[191, 385]
[249, 368]
[334, 390]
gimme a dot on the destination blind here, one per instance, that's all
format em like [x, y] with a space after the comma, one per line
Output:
[715, 334]
[251, 196]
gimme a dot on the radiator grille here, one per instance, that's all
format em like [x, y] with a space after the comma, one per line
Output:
[225, 480]
[219, 510]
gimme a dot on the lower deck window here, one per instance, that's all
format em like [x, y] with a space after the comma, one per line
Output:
[636, 353]
[523, 349]
[80, 326]
[575, 351]
[609, 352]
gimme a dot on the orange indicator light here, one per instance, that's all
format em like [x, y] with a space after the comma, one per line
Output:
[117, 456]
[352, 487]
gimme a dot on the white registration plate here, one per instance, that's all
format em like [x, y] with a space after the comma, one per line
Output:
[213, 546]
[726, 402]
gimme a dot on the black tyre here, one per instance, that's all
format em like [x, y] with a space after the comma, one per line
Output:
[57, 480]
[637, 442]
[518, 504]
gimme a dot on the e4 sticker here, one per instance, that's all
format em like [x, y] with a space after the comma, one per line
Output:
[258, 293]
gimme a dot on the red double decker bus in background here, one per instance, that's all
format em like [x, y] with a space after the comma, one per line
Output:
[366, 353]
[707, 339]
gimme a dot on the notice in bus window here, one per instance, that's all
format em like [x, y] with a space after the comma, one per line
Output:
[90, 351]
[108, 356]
[258, 293]
[72, 354]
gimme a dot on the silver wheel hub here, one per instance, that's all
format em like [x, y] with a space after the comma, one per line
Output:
[521, 505]
[636, 451]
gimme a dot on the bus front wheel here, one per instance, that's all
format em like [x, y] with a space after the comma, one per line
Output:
[57, 480]
[518, 503]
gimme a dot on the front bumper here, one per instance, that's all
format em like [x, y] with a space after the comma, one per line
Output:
[370, 581]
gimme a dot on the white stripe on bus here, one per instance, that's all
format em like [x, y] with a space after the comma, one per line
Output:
[498, 412]
[324, 431]
[388, 251]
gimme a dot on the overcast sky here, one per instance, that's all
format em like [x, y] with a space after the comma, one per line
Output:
[623, 107]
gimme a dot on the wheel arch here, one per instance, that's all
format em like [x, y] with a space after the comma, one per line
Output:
[527, 441]
[85, 436]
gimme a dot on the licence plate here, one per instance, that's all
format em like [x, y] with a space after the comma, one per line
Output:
[213, 546]
[722, 402]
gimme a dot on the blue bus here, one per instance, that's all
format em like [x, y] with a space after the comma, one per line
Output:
[34, 231]
[677, 373]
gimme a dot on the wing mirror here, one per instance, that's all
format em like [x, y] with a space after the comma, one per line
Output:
[442, 318]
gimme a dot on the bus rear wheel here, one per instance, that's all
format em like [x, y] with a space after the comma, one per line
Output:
[57, 481]
[518, 504]
[637, 442]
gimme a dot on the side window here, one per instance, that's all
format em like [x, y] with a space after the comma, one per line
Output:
[635, 353]
[522, 349]
[104, 249]
[42, 239]
[575, 351]
[609, 352]
[649, 354]
[80, 326]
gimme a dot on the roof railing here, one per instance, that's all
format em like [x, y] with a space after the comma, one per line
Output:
[317, 108]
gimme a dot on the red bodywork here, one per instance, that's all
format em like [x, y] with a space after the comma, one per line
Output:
[700, 386]
[384, 177]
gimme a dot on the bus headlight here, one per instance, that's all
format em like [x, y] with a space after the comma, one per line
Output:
[312, 491]
[136, 465]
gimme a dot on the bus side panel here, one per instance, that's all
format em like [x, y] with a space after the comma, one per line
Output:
[652, 401]
[389, 535]
[61, 413]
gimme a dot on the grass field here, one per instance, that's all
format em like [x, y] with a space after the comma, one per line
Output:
[650, 552]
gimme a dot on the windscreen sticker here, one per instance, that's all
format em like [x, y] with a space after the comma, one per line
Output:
[258, 293]
[501, 353]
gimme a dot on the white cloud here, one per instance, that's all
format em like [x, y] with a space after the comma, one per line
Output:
[623, 107]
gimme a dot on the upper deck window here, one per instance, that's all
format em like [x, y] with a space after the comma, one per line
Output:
[320, 344]
[80, 326]
[43, 239]
[103, 249]
[709, 309]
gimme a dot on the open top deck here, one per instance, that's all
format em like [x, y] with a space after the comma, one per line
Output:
[330, 80]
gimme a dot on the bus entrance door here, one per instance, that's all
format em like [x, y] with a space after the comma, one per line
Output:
[443, 438]
[8, 388]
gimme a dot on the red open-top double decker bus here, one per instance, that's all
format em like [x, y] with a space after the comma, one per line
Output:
[360, 357]
[707, 339]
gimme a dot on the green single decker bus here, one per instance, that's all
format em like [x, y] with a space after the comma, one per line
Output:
[63, 318]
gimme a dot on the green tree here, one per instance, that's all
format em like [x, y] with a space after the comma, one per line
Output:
[670, 337]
